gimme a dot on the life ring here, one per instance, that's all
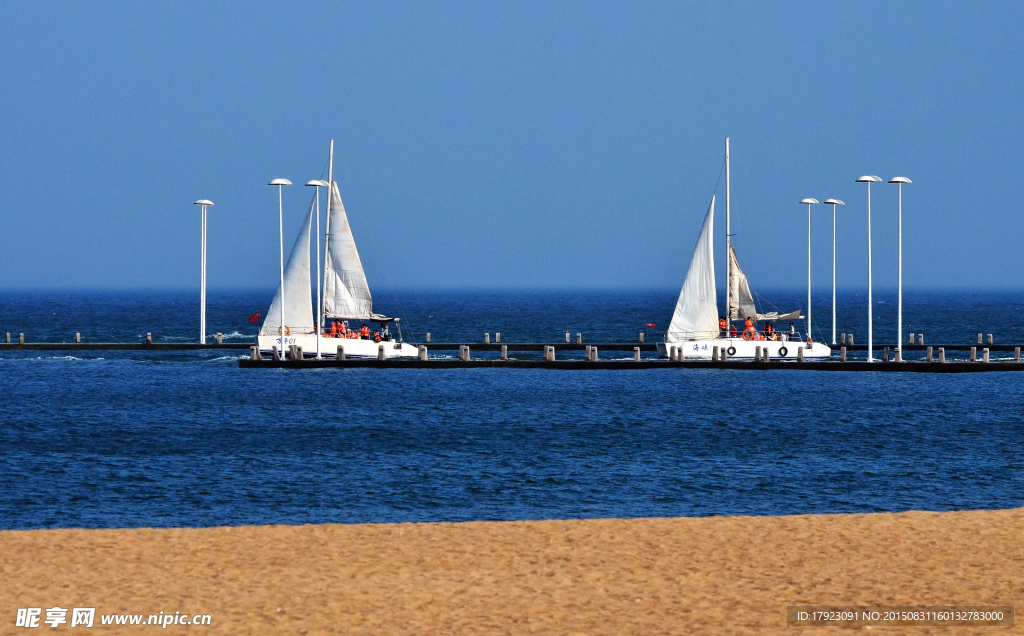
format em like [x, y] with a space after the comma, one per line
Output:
[731, 351]
[287, 330]
[783, 351]
[746, 335]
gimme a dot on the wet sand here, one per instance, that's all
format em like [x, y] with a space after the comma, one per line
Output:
[718, 575]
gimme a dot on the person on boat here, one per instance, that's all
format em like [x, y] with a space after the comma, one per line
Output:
[364, 331]
[769, 330]
[723, 325]
[351, 334]
[385, 333]
[376, 336]
[792, 329]
[749, 330]
[732, 331]
[334, 329]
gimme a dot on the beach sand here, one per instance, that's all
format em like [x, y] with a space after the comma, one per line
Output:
[716, 575]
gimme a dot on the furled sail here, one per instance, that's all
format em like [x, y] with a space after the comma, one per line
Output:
[346, 293]
[298, 301]
[696, 314]
[741, 301]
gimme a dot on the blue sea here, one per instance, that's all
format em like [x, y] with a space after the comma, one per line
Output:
[129, 439]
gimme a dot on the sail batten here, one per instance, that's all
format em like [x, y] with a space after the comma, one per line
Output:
[346, 292]
[298, 301]
[696, 314]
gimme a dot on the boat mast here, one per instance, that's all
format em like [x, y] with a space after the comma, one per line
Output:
[728, 240]
[327, 231]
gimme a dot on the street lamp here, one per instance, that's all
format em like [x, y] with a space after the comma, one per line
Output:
[899, 320]
[280, 226]
[869, 179]
[809, 203]
[834, 203]
[318, 183]
[202, 268]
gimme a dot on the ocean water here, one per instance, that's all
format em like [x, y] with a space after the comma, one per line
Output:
[129, 439]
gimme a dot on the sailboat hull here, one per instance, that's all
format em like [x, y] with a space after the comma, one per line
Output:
[329, 346]
[738, 348]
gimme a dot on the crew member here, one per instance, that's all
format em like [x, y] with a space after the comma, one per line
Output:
[723, 325]
[364, 331]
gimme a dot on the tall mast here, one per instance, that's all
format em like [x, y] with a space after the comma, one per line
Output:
[327, 232]
[728, 239]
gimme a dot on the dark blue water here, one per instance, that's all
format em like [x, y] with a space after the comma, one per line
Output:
[110, 439]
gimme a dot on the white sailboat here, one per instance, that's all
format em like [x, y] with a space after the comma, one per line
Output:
[345, 294]
[694, 330]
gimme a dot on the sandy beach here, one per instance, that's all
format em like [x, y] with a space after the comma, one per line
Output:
[719, 575]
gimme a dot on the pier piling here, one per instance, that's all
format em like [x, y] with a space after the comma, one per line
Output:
[899, 355]
[984, 355]
[149, 338]
[593, 354]
[990, 339]
[428, 338]
[567, 340]
[340, 355]
[1016, 354]
[497, 337]
[487, 338]
[21, 338]
[220, 339]
[299, 355]
[275, 352]
[422, 355]
[842, 354]
[920, 339]
[766, 355]
[911, 340]
[757, 354]
[641, 337]
[842, 338]
[928, 355]
[800, 354]
[636, 354]
[579, 338]
[78, 338]
[380, 352]
[979, 338]
[8, 337]
[504, 352]
[942, 355]
[885, 354]
[974, 351]
[851, 339]
[714, 354]
[254, 353]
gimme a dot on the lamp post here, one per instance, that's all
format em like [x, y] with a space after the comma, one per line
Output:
[202, 268]
[899, 321]
[869, 179]
[809, 203]
[834, 203]
[280, 225]
[318, 183]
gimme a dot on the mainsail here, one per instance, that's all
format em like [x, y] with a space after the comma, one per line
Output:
[298, 301]
[696, 314]
[346, 293]
[741, 301]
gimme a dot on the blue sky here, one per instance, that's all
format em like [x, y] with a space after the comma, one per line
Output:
[516, 144]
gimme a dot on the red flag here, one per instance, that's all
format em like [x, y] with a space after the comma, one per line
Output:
[651, 325]
[255, 317]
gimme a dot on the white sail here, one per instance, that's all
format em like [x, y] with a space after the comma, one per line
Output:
[696, 314]
[298, 302]
[346, 293]
[741, 301]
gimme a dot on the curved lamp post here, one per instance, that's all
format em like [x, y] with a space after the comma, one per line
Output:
[899, 320]
[318, 183]
[280, 226]
[833, 203]
[869, 179]
[809, 203]
[202, 268]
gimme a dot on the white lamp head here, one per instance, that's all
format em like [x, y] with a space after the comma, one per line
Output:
[809, 201]
[900, 180]
[317, 182]
[834, 201]
[869, 178]
[280, 182]
[203, 202]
